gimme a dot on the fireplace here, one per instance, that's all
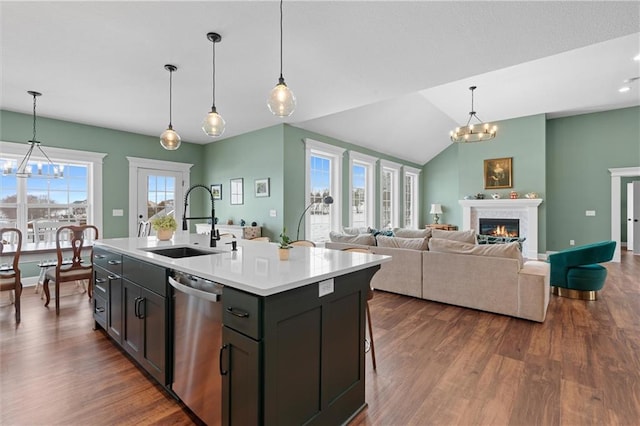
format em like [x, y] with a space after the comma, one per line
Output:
[499, 227]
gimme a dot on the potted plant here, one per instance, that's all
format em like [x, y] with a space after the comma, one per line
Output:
[284, 245]
[164, 227]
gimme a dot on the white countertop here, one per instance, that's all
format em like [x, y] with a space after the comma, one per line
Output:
[254, 267]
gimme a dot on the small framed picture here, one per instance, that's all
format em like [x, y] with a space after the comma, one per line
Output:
[237, 191]
[498, 173]
[262, 187]
[216, 190]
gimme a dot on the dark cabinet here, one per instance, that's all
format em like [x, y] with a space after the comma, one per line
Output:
[300, 351]
[130, 304]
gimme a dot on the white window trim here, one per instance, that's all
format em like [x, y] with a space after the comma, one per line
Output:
[395, 200]
[370, 185]
[335, 153]
[416, 194]
[95, 160]
[136, 163]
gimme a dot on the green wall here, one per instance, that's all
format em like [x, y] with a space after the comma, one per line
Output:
[15, 127]
[580, 151]
[251, 156]
[440, 183]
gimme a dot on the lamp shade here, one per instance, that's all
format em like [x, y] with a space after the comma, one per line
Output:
[170, 140]
[436, 209]
[281, 100]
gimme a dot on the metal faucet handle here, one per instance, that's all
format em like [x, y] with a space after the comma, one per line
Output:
[233, 245]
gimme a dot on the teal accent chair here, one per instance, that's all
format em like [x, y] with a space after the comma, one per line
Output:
[575, 272]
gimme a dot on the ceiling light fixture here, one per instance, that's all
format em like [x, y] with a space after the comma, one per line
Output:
[471, 133]
[169, 139]
[624, 89]
[281, 100]
[637, 58]
[213, 124]
[24, 170]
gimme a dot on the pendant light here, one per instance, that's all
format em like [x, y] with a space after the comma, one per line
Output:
[281, 100]
[24, 170]
[213, 124]
[471, 133]
[169, 139]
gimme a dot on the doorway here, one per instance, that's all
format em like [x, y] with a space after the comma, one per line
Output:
[616, 202]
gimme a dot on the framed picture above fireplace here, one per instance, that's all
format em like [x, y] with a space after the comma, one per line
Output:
[498, 173]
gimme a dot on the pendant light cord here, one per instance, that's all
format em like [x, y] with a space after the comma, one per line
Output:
[170, 96]
[213, 77]
[281, 78]
[34, 118]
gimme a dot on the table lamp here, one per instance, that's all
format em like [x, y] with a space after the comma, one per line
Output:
[436, 210]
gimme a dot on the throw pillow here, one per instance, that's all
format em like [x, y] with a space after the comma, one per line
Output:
[411, 233]
[355, 230]
[462, 236]
[507, 250]
[386, 232]
[362, 239]
[405, 243]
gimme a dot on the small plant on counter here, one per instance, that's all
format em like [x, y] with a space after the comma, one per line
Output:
[284, 239]
[164, 222]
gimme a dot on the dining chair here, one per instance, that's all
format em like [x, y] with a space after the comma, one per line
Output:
[144, 228]
[370, 295]
[302, 243]
[79, 267]
[10, 277]
[44, 231]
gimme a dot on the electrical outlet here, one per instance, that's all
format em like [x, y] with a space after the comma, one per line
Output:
[572, 242]
[590, 213]
[325, 287]
[272, 213]
[118, 212]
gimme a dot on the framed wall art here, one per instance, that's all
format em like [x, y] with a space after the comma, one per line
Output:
[216, 190]
[237, 191]
[262, 187]
[498, 173]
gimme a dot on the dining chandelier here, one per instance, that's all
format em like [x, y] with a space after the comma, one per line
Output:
[473, 132]
[213, 124]
[281, 100]
[169, 139]
[25, 169]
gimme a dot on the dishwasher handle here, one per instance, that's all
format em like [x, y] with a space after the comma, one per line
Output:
[211, 297]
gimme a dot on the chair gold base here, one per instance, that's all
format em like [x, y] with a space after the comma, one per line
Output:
[574, 294]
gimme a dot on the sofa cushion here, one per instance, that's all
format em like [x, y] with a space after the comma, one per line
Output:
[363, 239]
[507, 250]
[463, 236]
[356, 230]
[406, 243]
[412, 233]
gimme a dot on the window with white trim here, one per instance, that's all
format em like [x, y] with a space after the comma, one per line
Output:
[70, 193]
[362, 189]
[323, 177]
[389, 194]
[411, 197]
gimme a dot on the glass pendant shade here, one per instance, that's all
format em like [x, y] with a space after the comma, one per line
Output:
[282, 101]
[170, 140]
[213, 124]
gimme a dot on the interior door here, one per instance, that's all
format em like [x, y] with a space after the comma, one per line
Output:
[159, 192]
[635, 216]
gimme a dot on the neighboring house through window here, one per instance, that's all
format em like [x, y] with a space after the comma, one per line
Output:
[362, 195]
[70, 193]
[411, 198]
[389, 194]
[323, 177]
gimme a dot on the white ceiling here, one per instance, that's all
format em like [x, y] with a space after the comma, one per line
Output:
[389, 75]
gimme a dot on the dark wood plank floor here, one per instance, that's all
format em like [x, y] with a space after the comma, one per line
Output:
[437, 364]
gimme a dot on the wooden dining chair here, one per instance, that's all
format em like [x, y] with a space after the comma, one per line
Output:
[144, 228]
[370, 295]
[302, 243]
[79, 267]
[10, 278]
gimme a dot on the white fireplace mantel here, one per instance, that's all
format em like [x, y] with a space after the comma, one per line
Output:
[524, 208]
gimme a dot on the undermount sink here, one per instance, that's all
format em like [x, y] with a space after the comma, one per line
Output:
[180, 252]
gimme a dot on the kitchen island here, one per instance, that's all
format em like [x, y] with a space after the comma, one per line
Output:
[291, 349]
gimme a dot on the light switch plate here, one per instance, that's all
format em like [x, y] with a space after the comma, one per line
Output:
[325, 287]
[272, 213]
[118, 212]
[590, 212]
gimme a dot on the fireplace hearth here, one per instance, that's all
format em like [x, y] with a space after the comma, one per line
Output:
[498, 227]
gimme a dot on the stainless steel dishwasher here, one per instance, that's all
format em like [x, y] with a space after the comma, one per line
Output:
[198, 337]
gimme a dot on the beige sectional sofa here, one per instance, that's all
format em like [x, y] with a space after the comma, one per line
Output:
[487, 278]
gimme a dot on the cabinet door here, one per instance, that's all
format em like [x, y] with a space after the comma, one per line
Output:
[153, 352]
[241, 390]
[132, 327]
[114, 318]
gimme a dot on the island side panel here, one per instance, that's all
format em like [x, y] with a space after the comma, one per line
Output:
[314, 352]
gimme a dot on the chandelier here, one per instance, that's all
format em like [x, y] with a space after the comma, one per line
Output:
[473, 133]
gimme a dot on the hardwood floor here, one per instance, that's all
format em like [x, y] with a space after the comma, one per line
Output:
[437, 364]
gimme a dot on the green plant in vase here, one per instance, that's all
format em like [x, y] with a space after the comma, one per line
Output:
[164, 226]
[284, 245]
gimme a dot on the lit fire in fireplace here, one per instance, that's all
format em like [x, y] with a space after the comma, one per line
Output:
[501, 231]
